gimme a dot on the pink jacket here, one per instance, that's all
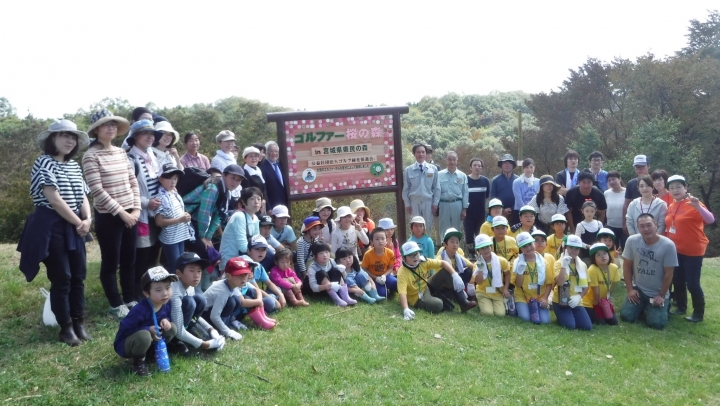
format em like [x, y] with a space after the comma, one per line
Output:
[278, 276]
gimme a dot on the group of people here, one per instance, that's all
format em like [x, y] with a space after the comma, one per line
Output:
[202, 247]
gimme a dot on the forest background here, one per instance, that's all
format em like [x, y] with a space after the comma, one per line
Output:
[667, 108]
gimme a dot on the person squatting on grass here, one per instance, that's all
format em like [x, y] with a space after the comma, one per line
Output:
[378, 262]
[602, 275]
[452, 253]
[489, 277]
[571, 284]
[272, 296]
[311, 233]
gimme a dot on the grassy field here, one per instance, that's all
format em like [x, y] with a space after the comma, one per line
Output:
[368, 355]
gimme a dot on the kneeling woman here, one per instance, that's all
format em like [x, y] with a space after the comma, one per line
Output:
[489, 277]
[533, 282]
[418, 276]
[571, 284]
[602, 274]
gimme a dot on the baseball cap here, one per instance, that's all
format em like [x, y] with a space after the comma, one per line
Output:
[281, 211]
[640, 160]
[452, 232]
[527, 208]
[598, 247]
[417, 219]
[258, 241]
[168, 170]
[495, 203]
[265, 221]
[482, 241]
[499, 221]
[234, 169]
[558, 217]
[409, 248]
[677, 178]
[606, 231]
[237, 266]
[574, 241]
[187, 258]
[524, 239]
[156, 274]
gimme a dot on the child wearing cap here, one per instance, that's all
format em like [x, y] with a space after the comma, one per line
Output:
[266, 225]
[389, 226]
[285, 278]
[417, 228]
[349, 232]
[358, 281]
[488, 279]
[452, 253]
[603, 275]
[427, 283]
[187, 305]
[607, 237]
[502, 244]
[495, 208]
[571, 284]
[527, 221]
[253, 174]
[379, 262]
[171, 217]
[533, 280]
[281, 231]
[272, 296]
[587, 229]
[325, 276]
[311, 232]
[559, 229]
[541, 246]
[243, 224]
[137, 331]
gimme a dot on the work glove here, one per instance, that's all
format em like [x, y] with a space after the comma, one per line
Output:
[574, 301]
[408, 314]
[215, 343]
[565, 261]
[221, 340]
[380, 280]
[234, 335]
[214, 334]
[335, 286]
[471, 289]
[458, 283]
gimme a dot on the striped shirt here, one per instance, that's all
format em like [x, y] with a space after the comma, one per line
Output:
[65, 177]
[171, 207]
[111, 179]
[152, 183]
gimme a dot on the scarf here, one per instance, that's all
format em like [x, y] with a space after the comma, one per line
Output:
[229, 157]
[151, 162]
[497, 280]
[570, 181]
[530, 181]
[459, 262]
[582, 273]
[539, 263]
[165, 201]
[250, 171]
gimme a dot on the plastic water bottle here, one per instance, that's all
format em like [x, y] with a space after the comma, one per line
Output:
[564, 294]
[534, 308]
[161, 355]
[511, 310]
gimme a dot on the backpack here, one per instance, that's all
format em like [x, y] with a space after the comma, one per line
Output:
[192, 178]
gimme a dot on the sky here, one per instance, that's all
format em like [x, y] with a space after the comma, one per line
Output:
[59, 56]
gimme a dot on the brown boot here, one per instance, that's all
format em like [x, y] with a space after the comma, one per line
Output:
[79, 328]
[67, 335]
[290, 297]
[300, 299]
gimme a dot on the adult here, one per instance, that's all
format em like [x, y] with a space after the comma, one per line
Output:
[646, 203]
[253, 174]
[501, 187]
[141, 113]
[261, 147]
[641, 164]
[272, 171]
[568, 177]
[192, 158]
[615, 200]
[55, 232]
[225, 155]
[596, 160]
[454, 198]
[164, 148]
[649, 261]
[362, 216]
[583, 192]
[547, 202]
[478, 191]
[421, 189]
[116, 199]
[526, 186]
[429, 157]
[685, 221]
[242, 226]
[660, 178]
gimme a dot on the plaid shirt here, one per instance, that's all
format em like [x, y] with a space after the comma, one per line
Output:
[200, 203]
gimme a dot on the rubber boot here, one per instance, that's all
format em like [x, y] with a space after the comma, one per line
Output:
[290, 297]
[343, 292]
[444, 295]
[79, 328]
[334, 296]
[257, 317]
[698, 310]
[265, 316]
[367, 298]
[464, 303]
[139, 367]
[67, 335]
[301, 300]
[374, 294]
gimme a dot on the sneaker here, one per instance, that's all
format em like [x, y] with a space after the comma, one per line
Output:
[139, 367]
[131, 304]
[119, 312]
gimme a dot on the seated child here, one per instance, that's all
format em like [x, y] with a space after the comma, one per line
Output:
[527, 221]
[311, 231]
[533, 280]
[324, 276]
[357, 280]
[426, 283]
[283, 276]
[186, 305]
[558, 224]
[379, 261]
[266, 225]
[541, 246]
[392, 242]
[281, 231]
[602, 276]
[495, 208]
[417, 228]
[272, 297]
[137, 332]
[348, 233]
[489, 277]
[502, 244]
[452, 253]
[171, 217]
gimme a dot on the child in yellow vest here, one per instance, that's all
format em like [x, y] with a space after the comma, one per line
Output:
[490, 278]
[603, 275]
[558, 224]
[533, 281]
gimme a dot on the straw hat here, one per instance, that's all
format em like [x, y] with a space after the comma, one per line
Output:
[358, 204]
[322, 203]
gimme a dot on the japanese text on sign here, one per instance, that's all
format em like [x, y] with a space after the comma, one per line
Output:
[341, 149]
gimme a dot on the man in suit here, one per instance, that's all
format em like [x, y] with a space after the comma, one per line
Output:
[272, 171]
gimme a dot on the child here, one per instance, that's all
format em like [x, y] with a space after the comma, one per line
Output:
[186, 305]
[324, 276]
[266, 225]
[587, 229]
[362, 215]
[256, 253]
[349, 232]
[285, 278]
[171, 217]
[541, 246]
[527, 221]
[358, 281]
[311, 232]
[452, 253]
[235, 295]
[426, 283]
[602, 276]
[417, 227]
[489, 277]
[558, 224]
[495, 208]
[379, 261]
[137, 331]
[503, 244]
[324, 211]
[281, 231]
[533, 280]
[392, 242]
[571, 284]
[607, 237]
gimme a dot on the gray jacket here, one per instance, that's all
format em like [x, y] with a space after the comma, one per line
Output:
[421, 184]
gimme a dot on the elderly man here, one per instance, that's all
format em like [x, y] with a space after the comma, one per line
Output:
[454, 199]
[583, 192]
[649, 261]
[272, 171]
[421, 189]
[641, 164]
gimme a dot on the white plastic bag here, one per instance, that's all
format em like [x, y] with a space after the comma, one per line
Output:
[48, 316]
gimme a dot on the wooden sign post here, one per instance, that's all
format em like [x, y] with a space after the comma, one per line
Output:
[342, 153]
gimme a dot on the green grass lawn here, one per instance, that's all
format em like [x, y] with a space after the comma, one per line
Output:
[368, 355]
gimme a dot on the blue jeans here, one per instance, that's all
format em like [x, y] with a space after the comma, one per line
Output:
[232, 306]
[192, 306]
[524, 313]
[269, 303]
[655, 316]
[389, 287]
[572, 318]
[172, 253]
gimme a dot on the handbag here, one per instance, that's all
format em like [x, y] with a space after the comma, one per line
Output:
[607, 308]
[48, 315]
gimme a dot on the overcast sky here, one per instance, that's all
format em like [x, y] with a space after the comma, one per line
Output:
[58, 56]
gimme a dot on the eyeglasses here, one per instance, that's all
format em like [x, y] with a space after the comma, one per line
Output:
[110, 124]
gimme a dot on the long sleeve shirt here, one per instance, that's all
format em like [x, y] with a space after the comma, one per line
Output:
[454, 186]
[523, 192]
[658, 209]
[177, 317]
[501, 188]
[221, 160]
[303, 253]
[201, 203]
[139, 318]
[217, 296]
[199, 161]
[420, 184]
[235, 236]
[111, 179]
[279, 277]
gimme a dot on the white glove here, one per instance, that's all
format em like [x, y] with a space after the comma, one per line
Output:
[214, 334]
[215, 343]
[565, 261]
[574, 301]
[458, 283]
[471, 289]
[380, 280]
[234, 335]
[335, 286]
[408, 314]
[341, 268]
[221, 342]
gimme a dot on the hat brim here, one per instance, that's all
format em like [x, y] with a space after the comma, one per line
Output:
[122, 128]
[526, 243]
[167, 175]
[311, 225]
[82, 138]
[507, 160]
[261, 245]
[606, 234]
[574, 246]
[457, 234]
[483, 245]
[204, 263]
[225, 139]
[594, 251]
[412, 252]
[317, 209]
[266, 223]
[501, 225]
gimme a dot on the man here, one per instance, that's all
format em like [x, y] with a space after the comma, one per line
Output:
[641, 163]
[429, 156]
[478, 189]
[272, 171]
[501, 187]
[583, 192]
[421, 189]
[648, 261]
[568, 177]
[596, 159]
[453, 194]
[224, 156]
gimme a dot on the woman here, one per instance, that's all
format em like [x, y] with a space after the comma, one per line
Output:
[362, 215]
[253, 174]
[686, 219]
[55, 232]
[571, 284]
[163, 148]
[646, 203]
[526, 186]
[533, 281]
[615, 198]
[547, 202]
[192, 158]
[116, 198]
[660, 178]
[242, 226]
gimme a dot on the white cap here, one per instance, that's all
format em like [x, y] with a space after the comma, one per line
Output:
[452, 232]
[677, 178]
[418, 219]
[409, 247]
[640, 160]
[527, 207]
[343, 211]
[482, 241]
[495, 203]
[499, 221]
[250, 150]
[524, 239]
[558, 217]
[280, 211]
[538, 232]
[386, 224]
[574, 241]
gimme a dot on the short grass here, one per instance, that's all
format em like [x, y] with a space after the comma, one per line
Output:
[368, 355]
